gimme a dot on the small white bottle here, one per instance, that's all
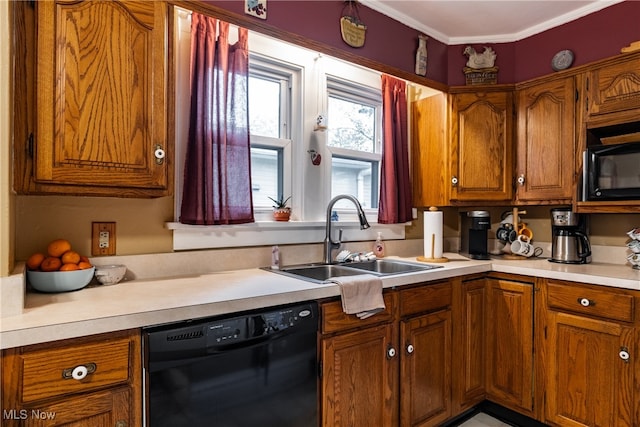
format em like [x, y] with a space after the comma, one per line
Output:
[275, 258]
[378, 246]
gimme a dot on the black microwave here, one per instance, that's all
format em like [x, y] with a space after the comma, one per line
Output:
[612, 172]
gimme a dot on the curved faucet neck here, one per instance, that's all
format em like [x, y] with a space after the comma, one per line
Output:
[329, 243]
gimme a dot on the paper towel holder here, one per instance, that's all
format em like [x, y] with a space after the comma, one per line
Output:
[433, 244]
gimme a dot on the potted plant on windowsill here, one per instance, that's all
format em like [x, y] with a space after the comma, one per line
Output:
[281, 212]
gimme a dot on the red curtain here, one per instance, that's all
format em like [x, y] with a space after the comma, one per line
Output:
[395, 188]
[217, 173]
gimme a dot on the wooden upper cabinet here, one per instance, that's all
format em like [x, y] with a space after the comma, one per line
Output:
[101, 125]
[481, 139]
[430, 151]
[546, 142]
[614, 87]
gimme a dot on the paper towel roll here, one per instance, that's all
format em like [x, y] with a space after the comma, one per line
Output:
[433, 234]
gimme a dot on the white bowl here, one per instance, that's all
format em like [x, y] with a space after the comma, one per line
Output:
[110, 274]
[60, 281]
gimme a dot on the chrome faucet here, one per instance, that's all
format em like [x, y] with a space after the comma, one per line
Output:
[329, 243]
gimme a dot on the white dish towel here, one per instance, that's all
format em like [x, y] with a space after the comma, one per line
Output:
[361, 294]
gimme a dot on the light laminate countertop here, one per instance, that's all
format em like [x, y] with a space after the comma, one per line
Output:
[139, 303]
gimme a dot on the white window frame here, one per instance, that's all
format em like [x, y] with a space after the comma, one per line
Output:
[309, 185]
[289, 78]
[359, 92]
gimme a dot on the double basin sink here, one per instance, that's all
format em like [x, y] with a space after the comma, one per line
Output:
[320, 273]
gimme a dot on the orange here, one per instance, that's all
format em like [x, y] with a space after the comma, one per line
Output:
[34, 261]
[70, 257]
[50, 263]
[69, 267]
[84, 259]
[58, 247]
[84, 265]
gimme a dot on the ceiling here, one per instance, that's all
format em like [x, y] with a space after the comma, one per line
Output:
[475, 21]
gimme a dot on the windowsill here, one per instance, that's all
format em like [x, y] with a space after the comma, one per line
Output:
[265, 233]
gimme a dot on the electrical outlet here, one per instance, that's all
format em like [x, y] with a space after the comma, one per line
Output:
[103, 238]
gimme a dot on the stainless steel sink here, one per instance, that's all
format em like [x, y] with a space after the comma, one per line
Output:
[320, 273]
[385, 267]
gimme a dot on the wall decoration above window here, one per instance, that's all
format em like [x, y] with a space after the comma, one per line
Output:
[257, 8]
[480, 68]
[352, 28]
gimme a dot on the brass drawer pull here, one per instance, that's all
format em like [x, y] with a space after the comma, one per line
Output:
[79, 372]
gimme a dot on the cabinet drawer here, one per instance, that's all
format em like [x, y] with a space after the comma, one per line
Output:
[334, 319]
[606, 303]
[425, 298]
[50, 372]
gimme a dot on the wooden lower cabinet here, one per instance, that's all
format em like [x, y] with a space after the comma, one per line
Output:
[469, 342]
[510, 374]
[393, 368]
[359, 366]
[92, 381]
[425, 369]
[592, 349]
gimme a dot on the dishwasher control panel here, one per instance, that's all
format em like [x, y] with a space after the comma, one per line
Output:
[212, 335]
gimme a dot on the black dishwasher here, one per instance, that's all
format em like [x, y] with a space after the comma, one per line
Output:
[256, 368]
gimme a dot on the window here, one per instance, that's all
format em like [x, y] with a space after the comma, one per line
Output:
[288, 88]
[355, 125]
[269, 117]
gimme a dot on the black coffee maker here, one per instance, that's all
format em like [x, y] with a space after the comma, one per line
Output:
[474, 227]
[569, 242]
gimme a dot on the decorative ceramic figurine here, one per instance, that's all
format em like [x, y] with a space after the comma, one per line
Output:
[476, 60]
[421, 56]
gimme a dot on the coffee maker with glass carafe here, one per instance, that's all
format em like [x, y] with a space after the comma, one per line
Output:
[569, 242]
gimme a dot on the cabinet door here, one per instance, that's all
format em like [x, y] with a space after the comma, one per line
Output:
[481, 153]
[101, 97]
[425, 371]
[430, 152]
[360, 378]
[589, 381]
[615, 87]
[510, 345]
[469, 344]
[546, 142]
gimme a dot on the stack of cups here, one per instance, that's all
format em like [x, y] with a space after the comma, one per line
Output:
[634, 246]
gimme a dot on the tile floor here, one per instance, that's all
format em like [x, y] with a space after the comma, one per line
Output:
[483, 420]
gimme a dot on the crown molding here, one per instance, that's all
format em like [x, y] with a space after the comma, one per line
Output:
[410, 21]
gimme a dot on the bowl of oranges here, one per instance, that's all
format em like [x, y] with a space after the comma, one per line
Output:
[59, 269]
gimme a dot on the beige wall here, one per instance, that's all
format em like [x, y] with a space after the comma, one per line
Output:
[139, 223]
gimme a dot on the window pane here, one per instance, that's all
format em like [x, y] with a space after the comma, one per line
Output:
[264, 176]
[356, 177]
[264, 107]
[351, 125]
